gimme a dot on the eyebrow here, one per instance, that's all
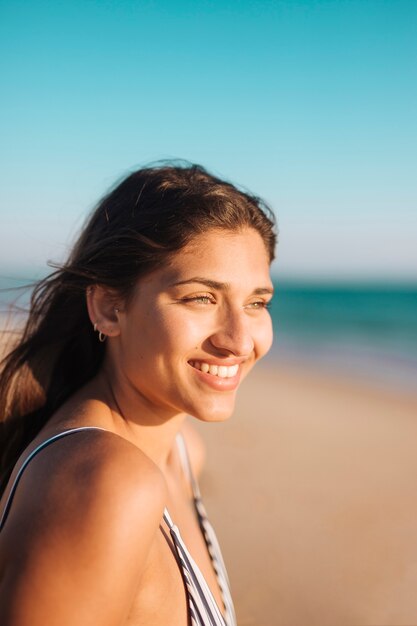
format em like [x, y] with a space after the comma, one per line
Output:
[214, 284]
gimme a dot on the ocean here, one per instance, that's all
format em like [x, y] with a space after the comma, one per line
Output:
[363, 330]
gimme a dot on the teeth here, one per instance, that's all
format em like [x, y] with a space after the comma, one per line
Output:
[222, 371]
[233, 369]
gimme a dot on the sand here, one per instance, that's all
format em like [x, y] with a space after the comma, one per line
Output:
[312, 489]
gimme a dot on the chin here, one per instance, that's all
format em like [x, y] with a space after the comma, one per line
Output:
[216, 413]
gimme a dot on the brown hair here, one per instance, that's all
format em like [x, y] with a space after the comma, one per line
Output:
[147, 217]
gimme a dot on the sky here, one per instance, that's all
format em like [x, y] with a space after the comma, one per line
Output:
[310, 104]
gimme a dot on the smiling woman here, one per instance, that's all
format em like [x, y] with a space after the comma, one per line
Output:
[99, 459]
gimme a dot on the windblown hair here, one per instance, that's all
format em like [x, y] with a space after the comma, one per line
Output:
[136, 228]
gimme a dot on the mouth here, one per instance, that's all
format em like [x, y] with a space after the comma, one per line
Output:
[218, 371]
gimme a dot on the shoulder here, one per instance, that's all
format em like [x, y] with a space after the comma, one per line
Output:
[92, 469]
[196, 447]
[85, 517]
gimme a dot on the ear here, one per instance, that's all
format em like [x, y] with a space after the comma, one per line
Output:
[103, 310]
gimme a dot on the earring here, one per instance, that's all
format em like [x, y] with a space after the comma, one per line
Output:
[101, 336]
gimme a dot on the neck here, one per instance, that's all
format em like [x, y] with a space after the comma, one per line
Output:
[133, 417]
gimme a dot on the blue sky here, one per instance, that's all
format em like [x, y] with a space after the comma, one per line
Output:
[310, 104]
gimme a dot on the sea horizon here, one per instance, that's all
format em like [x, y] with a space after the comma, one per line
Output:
[365, 329]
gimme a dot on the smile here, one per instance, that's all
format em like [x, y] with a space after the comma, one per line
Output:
[221, 371]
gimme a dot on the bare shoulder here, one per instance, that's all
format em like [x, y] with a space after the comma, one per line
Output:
[83, 521]
[92, 463]
[88, 481]
[195, 446]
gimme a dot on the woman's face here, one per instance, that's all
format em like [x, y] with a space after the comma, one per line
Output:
[195, 328]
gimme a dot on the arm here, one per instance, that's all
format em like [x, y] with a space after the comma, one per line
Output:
[81, 534]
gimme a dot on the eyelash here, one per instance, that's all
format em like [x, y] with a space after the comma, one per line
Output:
[261, 304]
[198, 299]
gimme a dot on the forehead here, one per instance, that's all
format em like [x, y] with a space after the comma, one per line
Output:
[222, 255]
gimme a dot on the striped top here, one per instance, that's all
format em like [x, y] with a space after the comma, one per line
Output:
[202, 607]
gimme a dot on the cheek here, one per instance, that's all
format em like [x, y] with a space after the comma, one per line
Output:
[145, 337]
[170, 334]
[263, 337]
[185, 329]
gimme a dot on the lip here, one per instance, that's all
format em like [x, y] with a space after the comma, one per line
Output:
[215, 382]
[212, 361]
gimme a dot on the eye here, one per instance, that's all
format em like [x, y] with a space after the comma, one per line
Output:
[202, 299]
[258, 305]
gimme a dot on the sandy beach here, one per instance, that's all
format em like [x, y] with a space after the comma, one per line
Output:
[311, 486]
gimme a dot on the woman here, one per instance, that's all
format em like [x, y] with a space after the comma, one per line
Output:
[159, 313]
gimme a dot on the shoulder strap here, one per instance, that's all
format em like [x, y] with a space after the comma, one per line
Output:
[28, 459]
[186, 465]
[202, 607]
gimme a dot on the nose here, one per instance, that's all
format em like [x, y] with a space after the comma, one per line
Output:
[233, 334]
